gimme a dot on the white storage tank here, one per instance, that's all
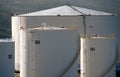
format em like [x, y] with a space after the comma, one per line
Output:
[36, 21]
[15, 37]
[68, 16]
[49, 52]
[98, 56]
[6, 58]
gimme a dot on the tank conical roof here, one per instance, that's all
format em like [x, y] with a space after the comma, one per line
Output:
[66, 10]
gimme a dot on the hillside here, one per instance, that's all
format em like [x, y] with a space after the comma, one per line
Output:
[5, 23]
[24, 6]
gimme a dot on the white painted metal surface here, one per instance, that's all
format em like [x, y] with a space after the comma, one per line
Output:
[48, 52]
[102, 25]
[36, 21]
[15, 37]
[6, 58]
[94, 24]
[98, 57]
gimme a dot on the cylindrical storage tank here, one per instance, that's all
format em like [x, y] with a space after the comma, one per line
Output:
[98, 56]
[36, 21]
[6, 58]
[49, 52]
[95, 24]
[15, 37]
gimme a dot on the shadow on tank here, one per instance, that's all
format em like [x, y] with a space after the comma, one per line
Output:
[118, 70]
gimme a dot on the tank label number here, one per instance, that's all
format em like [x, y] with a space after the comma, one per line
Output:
[92, 49]
[37, 41]
[9, 56]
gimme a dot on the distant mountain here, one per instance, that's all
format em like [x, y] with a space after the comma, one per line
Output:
[24, 6]
[5, 23]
